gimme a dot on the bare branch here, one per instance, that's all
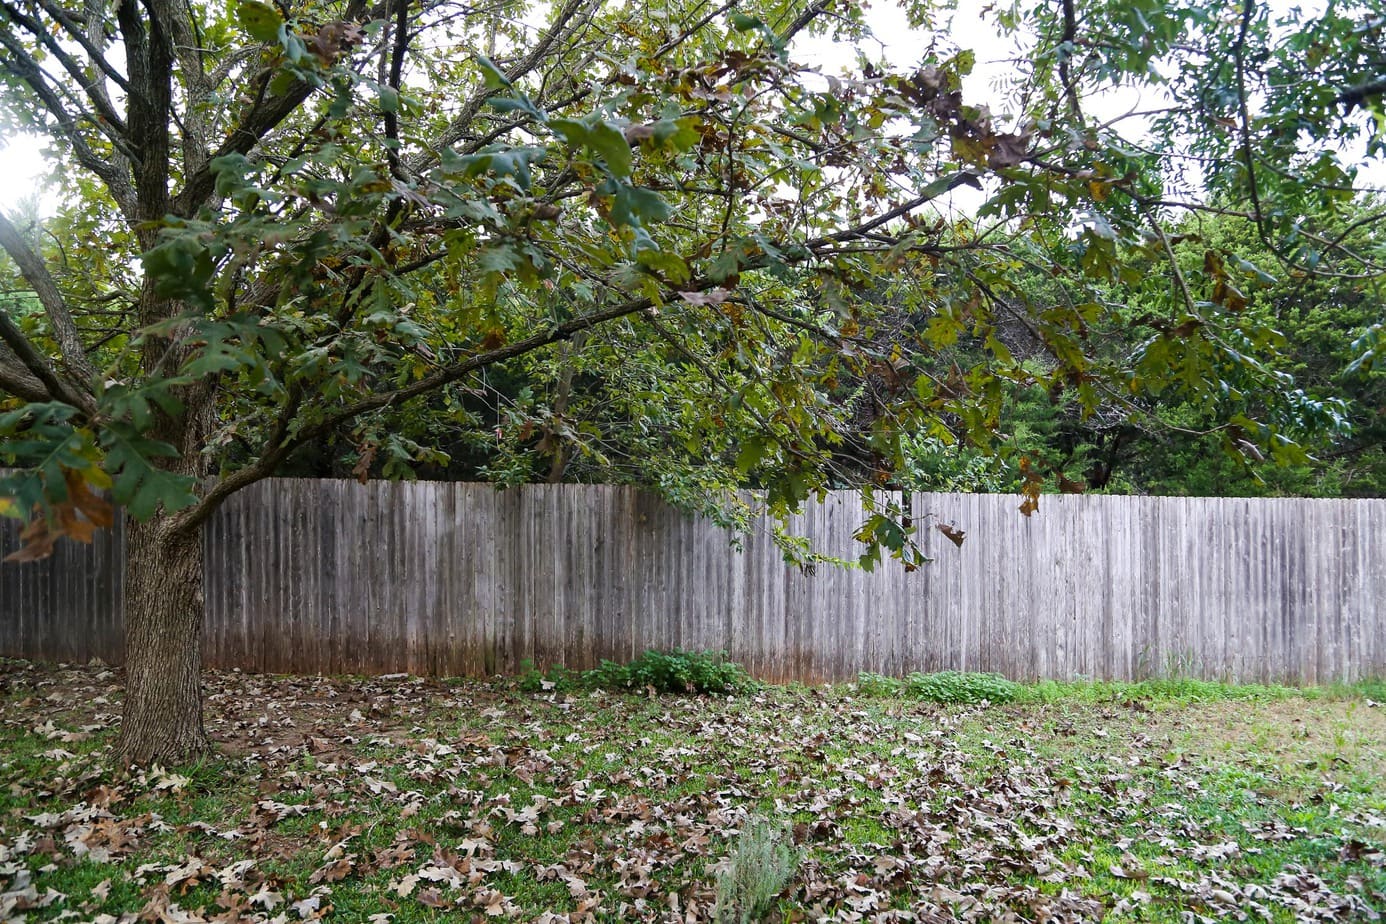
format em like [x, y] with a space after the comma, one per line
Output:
[963, 177]
[810, 13]
[1185, 295]
[1358, 95]
[1069, 37]
[1244, 119]
[74, 28]
[397, 52]
[233, 59]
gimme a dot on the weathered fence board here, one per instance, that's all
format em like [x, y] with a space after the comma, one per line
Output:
[441, 579]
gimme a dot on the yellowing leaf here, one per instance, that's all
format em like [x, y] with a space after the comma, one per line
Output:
[259, 20]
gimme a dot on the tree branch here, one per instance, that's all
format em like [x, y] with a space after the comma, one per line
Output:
[562, 26]
[73, 28]
[37, 365]
[274, 454]
[397, 52]
[810, 13]
[1069, 37]
[149, 58]
[31, 266]
[111, 124]
[23, 66]
[1244, 118]
[17, 380]
[963, 177]
[691, 30]
[1358, 95]
[264, 116]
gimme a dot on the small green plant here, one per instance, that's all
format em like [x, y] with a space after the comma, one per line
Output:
[554, 677]
[672, 672]
[942, 687]
[958, 687]
[869, 684]
[1374, 690]
[760, 866]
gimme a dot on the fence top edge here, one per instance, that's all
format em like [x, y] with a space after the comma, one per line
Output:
[1084, 498]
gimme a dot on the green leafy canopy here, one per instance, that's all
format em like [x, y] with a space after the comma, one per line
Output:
[655, 246]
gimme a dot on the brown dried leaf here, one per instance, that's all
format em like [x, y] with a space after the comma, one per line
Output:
[38, 543]
[365, 456]
[711, 297]
[952, 533]
[432, 898]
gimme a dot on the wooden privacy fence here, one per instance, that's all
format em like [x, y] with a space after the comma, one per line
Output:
[442, 579]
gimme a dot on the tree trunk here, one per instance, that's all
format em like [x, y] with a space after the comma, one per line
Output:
[562, 452]
[162, 722]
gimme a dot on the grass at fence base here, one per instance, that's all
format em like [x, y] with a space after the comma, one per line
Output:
[712, 672]
[345, 798]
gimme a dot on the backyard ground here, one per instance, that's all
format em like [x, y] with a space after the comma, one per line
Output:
[398, 799]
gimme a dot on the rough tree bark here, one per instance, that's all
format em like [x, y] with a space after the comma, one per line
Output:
[162, 720]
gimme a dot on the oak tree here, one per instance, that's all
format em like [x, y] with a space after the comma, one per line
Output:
[284, 225]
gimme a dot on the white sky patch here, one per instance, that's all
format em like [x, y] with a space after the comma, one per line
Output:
[22, 170]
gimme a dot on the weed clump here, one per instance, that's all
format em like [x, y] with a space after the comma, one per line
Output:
[660, 671]
[878, 685]
[760, 866]
[943, 687]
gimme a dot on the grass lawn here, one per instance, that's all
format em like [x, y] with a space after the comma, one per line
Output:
[407, 800]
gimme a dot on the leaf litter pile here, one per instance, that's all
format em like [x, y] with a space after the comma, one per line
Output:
[398, 799]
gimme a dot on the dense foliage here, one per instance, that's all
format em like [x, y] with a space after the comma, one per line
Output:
[787, 306]
[653, 672]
